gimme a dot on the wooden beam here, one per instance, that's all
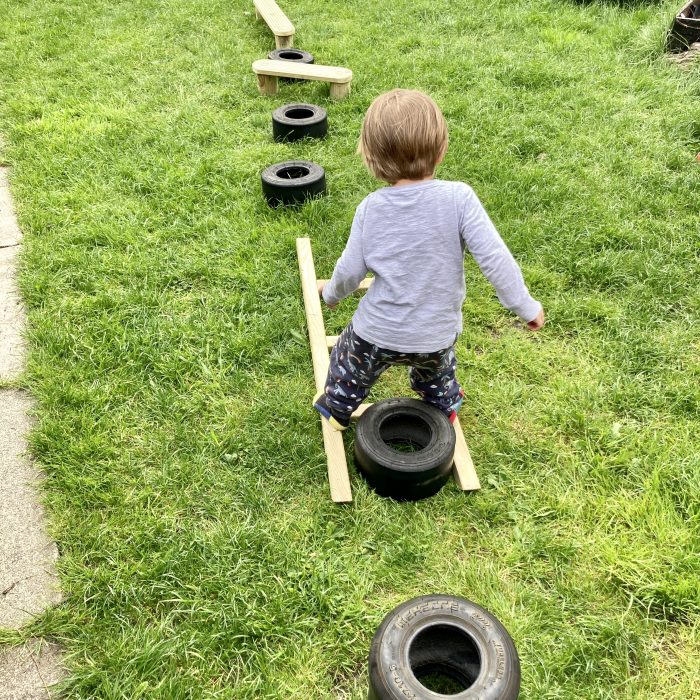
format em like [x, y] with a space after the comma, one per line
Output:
[303, 71]
[284, 42]
[463, 471]
[363, 286]
[276, 20]
[338, 477]
[338, 77]
[267, 84]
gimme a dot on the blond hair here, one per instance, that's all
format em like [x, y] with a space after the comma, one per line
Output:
[404, 136]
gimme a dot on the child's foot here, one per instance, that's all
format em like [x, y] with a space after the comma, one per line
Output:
[456, 406]
[321, 405]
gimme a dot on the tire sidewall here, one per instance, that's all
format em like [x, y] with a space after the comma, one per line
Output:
[279, 190]
[285, 128]
[377, 460]
[391, 677]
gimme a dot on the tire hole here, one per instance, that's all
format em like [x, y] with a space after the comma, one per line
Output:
[403, 445]
[444, 659]
[405, 433]
[299, 113]
[293, 173]
[291, 55]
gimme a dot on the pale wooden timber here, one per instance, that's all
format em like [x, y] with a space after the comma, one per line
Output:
[463, 471]
[360, 410]
[277, 21]
[331, 340]
[268, 71]
[364, 285]
[338, 477]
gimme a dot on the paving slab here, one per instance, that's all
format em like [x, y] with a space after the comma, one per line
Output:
[12, 318]
[28, 578]
[12, 347]
[10, 233]
[27, 672]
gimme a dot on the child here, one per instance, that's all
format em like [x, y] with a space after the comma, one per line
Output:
[412, 236]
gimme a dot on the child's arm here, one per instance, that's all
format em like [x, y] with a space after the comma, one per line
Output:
[350, 269]
[496, 262]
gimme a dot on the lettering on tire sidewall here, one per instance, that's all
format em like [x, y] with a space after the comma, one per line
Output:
[429, 606]
[400, 684]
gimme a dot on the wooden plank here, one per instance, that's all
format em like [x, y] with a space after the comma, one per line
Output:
[331, 340]
[284, 42]
[338, 477]
[364, 285]
[267, 84]
[339, 91]
[303, 71]
[463, 471]
[271, 12]
[360, 410]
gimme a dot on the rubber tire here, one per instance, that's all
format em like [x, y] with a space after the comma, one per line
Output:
[287, 127]
[284, 55]
[684, 31]
[404, 475]
[279, 189]
[395, 662]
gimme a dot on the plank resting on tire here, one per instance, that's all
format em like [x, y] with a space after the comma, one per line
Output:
[268, 71]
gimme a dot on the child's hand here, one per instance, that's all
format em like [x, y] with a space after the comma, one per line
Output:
[321, 284]
[537, 322]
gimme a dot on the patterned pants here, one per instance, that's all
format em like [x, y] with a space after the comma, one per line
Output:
[356, 365]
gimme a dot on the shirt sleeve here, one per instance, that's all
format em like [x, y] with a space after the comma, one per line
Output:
[494, 259]
[350, 269]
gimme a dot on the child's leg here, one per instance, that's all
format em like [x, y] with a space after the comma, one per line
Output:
[433, 377]
[355, 365]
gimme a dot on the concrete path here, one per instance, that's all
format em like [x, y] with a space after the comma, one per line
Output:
[28, 580]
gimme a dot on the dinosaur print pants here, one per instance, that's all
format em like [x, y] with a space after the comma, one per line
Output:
[355, 365]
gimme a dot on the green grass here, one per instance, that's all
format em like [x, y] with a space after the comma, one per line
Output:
[200, 552]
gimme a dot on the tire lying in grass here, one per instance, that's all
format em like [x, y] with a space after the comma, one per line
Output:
[293, 182]
[685, 29]
[297, 121]
[438, 646]
[404, 448]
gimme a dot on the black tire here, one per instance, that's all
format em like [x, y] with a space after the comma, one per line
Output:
[294, 55]
[388, 424]
[293, 182]
[297, 121]
[442, 646]
[685, 29]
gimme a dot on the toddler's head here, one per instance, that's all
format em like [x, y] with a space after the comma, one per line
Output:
[404, 136]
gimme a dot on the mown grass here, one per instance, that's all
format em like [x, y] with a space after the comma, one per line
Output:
[200, 553]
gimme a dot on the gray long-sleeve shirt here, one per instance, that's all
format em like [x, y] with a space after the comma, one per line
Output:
[412, 237]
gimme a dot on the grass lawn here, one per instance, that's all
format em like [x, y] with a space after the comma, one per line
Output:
[200, 552]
